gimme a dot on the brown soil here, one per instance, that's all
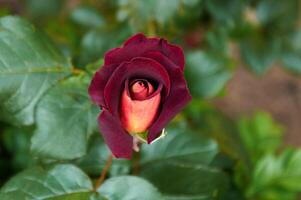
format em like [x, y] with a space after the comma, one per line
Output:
[277, 92]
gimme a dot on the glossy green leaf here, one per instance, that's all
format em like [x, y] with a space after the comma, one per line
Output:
[40, 9]
[179, 145]
[260, 52]
[140, 13]
[260, 134]
[17, 142]
[225, 11]
[67, 182]
[178, 165]
[29, 65]
[291, 55]
[97, 155]
[207, 73]
[66, 118]
[96, 42]
[211, 122]
[129, 188]
[277, 177]
[59, 182]
[87, 16]
[278, 16]
[179, 180]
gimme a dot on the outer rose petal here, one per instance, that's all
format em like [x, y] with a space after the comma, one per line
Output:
[175, 102]
[116, 138]
[138, 44]
[98, 83]
[138, 67]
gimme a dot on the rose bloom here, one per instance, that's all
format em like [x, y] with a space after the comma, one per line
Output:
[140, 88]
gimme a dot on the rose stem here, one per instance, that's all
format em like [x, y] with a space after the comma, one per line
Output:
[104, 172]
[136, 160]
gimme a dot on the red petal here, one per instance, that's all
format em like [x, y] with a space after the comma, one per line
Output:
[118, 140]
[135, 39]
[138, 44]
[178, 97]
[98, 83]
[138, 67]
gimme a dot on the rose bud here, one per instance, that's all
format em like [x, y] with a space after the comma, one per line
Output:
[139, 105]
[140, 88]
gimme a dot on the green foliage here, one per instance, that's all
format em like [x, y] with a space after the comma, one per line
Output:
[46, 8]
[260, 134]
[181, 145]
[206, 119]
[57, 182]
[64, 126]
[93, 162]
[260, 52]
[277, 177]
[226, 12]
[278, 16]
[18, 146]
[30, 65]
[96, 42]
[181, 154]
[87, 16]
[291, 55]
[65, 181]
[207, 73]
[140, 13]
[129, 187]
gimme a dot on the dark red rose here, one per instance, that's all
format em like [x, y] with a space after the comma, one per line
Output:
[140, 88]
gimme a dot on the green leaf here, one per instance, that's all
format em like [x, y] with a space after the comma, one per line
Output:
[277, 177]
[225, 12]
[185, 181]
[98, 153]
[278, 16]
[140, 13]
[17, 142]
[65, 120]
[260, 52]
[129, 188]
[204, 117]
[29, 65]
[180, 145]
[291, 55]
[207, 73]
[260, 134]
[87, 16]
[178, 165]
[217, 40]
[40, 9]
[96, 42]
[59, 182]
[66, 182]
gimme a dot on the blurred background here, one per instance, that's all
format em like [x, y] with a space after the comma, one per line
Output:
[243, 67]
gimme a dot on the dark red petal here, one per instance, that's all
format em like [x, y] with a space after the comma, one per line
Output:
[139, 44]
[138, 67]
[135, 39]
[118, 140]
[98, 83]
[178, 97]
